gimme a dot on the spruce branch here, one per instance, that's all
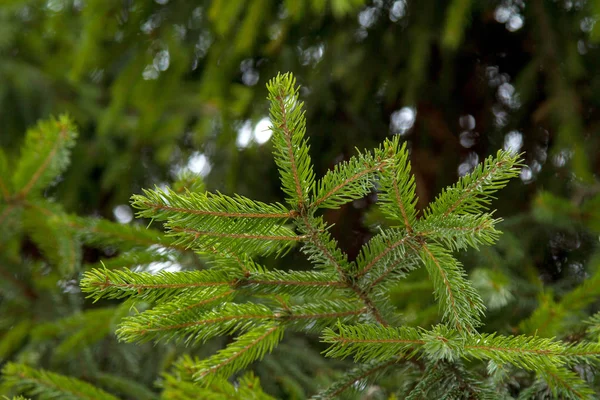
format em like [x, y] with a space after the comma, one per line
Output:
[195, 208]
[78, 331]
[50, 385]
[473, 192]
[117, 284]
[323, 250]
[540, 355]
[365, 372]
[124, 386]
[293, 283]
[194, 324]
[96, 231]
[429, 382]
[458, 232]
[11, 340]
[290, 147]
[198, 305]
[261, 240]
[44, 156]
[383, 250]
[61, 249]
[316, 316]
[397, 198]
[246, 388]
[349, 180]
[551, 317]
[461, 305]
[565, 384]
[246, 348]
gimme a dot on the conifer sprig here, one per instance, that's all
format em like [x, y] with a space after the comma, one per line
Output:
[290, 146]
[397, 197]
[373, 342]
[460, 303]
[49, 385]
[350, 295]
[349, 180]
[367, 372]
[246, 348]
[45, 155]
[472, 194]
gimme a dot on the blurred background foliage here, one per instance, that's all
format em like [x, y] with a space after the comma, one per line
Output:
[163, 88]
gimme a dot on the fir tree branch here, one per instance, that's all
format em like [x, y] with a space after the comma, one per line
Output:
[373, 342]
[354, 376]
[323, 249]
[381, 249]
[50, 385]
[193, 325]
[197, 234]
[290, 147]
[396, 193]
[316, 316]
[294, 283]
[125, 386]
[349, 180]
[473, 192]
[11, 340]
[99, 231]
[117, 284]
[459, 232]
[462, 306]
[566, 384]
[247, 348]
[45, 155]
[549, 319]
[399, 268]
[166, 205]
[275, 240]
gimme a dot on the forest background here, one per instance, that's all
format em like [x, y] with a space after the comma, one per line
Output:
[165, 89]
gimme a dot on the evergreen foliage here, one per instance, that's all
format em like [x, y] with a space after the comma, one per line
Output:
[238, 296]
[154, 88]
